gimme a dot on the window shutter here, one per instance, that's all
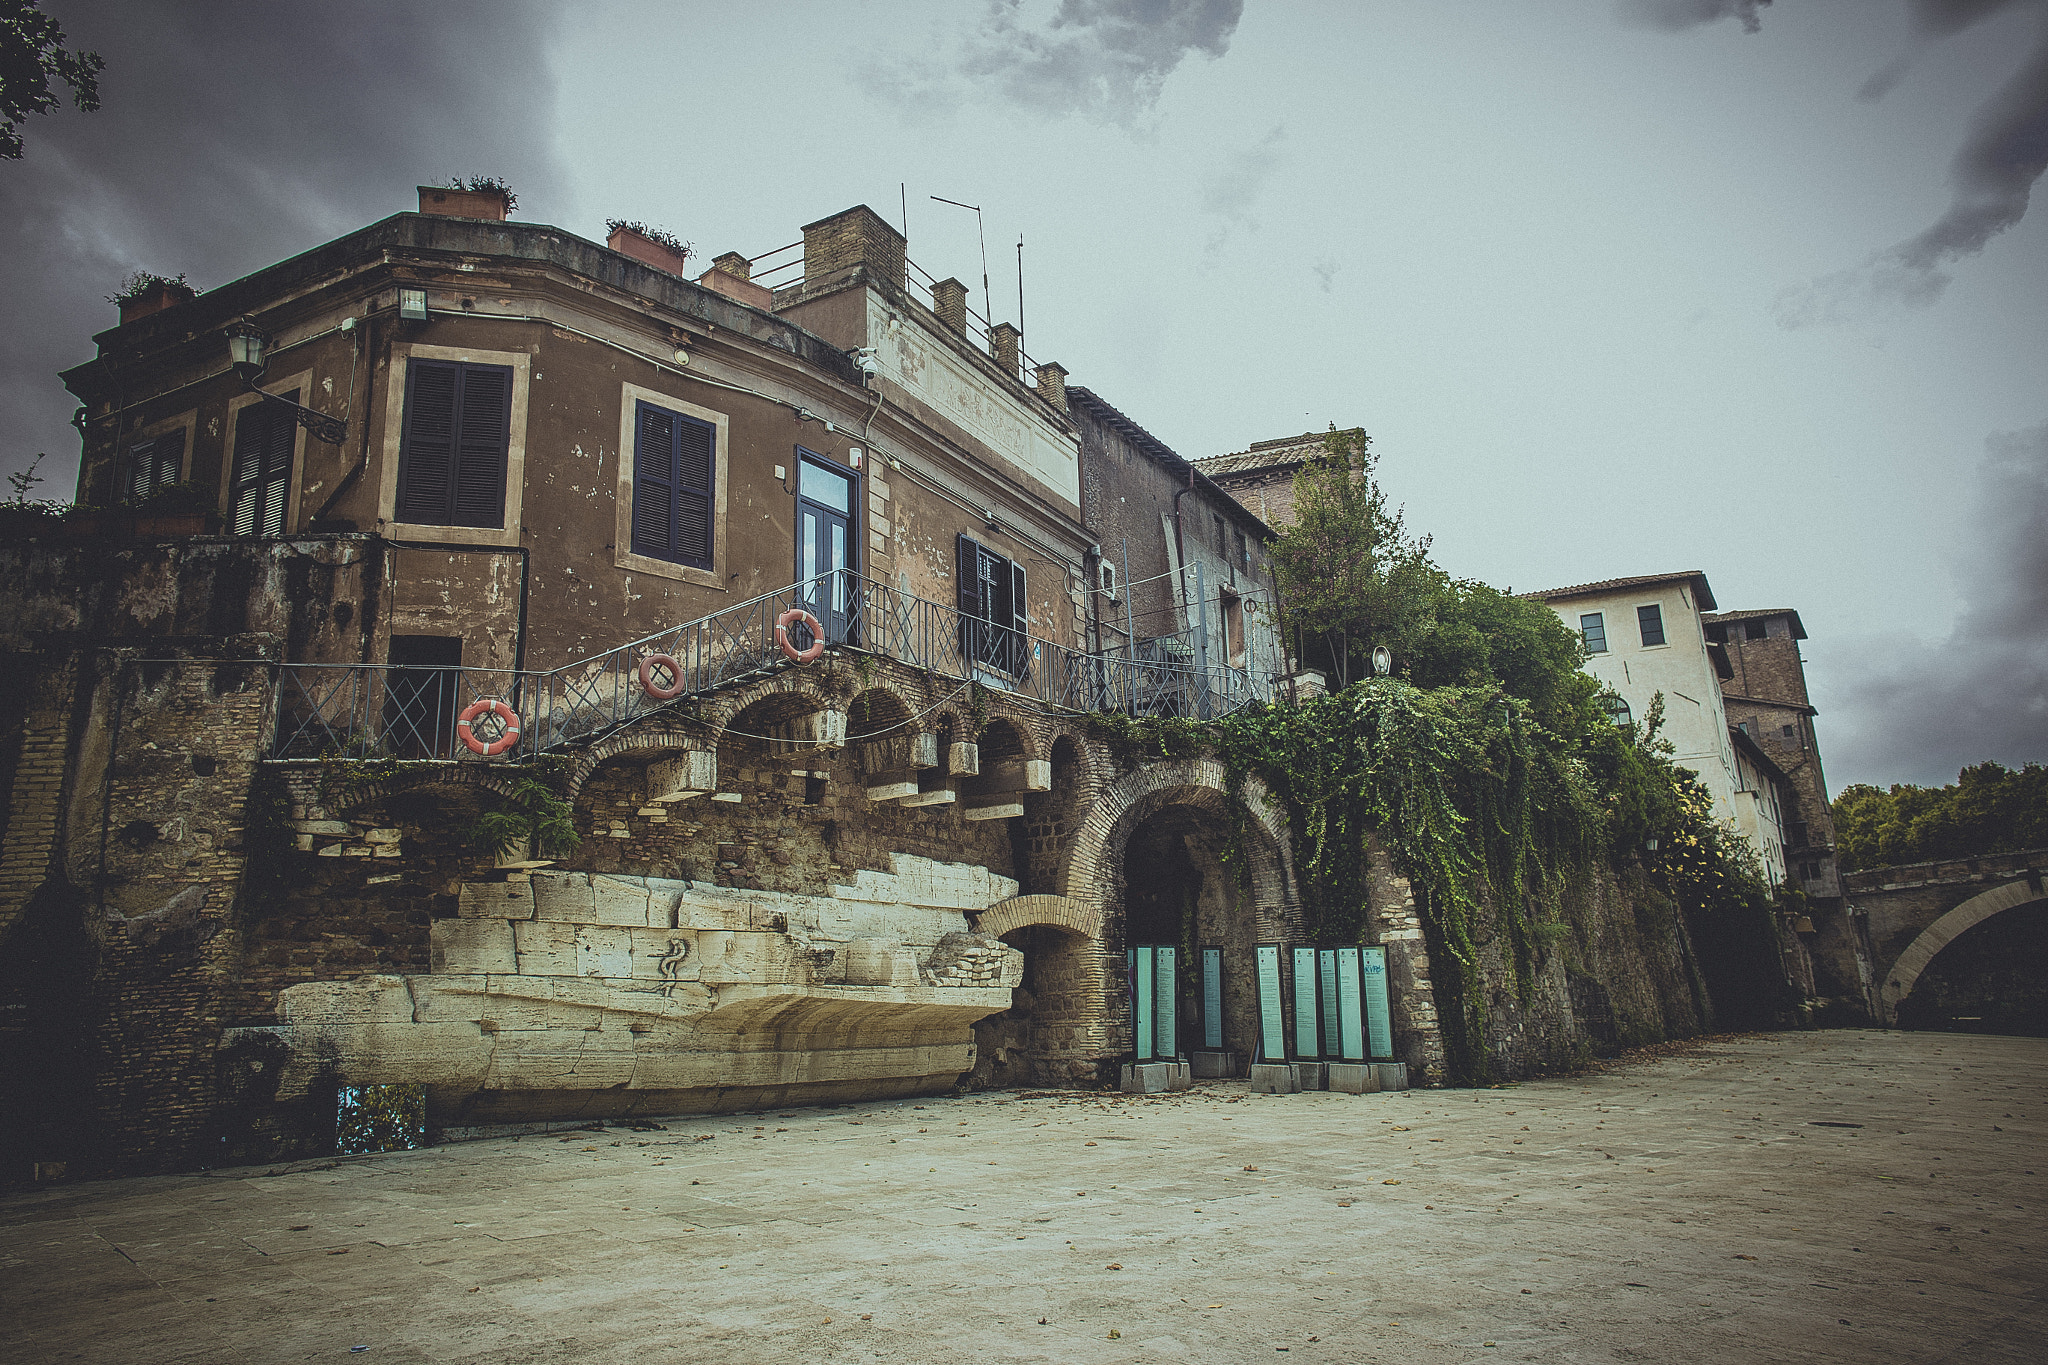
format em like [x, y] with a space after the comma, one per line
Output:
[968, 563]
[695, 463]
[170, 459]
[427, 463]
[260, 478]
[483, 440]
[654, 443]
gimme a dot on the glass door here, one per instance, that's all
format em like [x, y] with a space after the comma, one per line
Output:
[826, 551]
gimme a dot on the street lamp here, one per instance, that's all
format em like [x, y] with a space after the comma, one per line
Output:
[247, 347]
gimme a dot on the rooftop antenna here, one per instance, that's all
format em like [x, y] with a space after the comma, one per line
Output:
[903, 189]
[1020, 282]
[987, 307]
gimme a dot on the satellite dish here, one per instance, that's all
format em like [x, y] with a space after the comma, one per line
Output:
[1382, 660]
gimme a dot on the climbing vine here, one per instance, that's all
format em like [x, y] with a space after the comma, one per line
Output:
[1488, 810]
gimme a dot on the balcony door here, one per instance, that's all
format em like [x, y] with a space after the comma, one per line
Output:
[827, 551]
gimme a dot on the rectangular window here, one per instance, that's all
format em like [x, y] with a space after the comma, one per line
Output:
[994, 629]
[1754, 630]
[1717, 633]
[260, 478]
[458, 431]
[1244, 554]
[154, 465]
[1650, 620]
[1594, 627]
[674, 460]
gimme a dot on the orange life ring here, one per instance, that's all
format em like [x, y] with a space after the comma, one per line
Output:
[504, 713]
[817, 629]
[647, 667]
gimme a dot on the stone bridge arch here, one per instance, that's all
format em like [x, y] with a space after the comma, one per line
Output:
[1904, 973]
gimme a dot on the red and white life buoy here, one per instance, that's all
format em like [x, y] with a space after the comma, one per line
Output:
[790, 618]
[506, 716]
[655, 690]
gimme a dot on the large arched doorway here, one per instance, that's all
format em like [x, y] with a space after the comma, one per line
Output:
[1179, 892]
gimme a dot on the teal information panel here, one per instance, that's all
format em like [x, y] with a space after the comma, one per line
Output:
[1141, 1005]
[1350, 1007]
[1166, 1002]
[1379, 1011]
[1305, 1012]
[1212, 997]
[1272, 1029]
[1332, 1035]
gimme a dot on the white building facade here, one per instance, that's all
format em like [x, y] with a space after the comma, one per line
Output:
[1643, 637]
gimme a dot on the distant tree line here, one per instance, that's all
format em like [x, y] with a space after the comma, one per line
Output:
[1988, 809]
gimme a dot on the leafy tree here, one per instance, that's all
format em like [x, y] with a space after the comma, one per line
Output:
[1988, 809]
[1349, 574]
[32, 55]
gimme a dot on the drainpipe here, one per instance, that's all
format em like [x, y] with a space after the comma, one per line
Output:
[1180, 541]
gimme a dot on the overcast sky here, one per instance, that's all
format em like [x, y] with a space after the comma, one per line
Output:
[1618, 286]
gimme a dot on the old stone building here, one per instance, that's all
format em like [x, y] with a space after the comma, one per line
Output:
[1182, 575]
[1262, 476]
[782, 588]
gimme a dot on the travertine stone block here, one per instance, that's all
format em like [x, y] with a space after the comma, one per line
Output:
[495, 900]
[472, 946]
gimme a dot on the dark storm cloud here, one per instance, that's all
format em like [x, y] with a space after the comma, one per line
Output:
[1680, 14]
[235, 134]
[1984, 692]
[1105, 60]
[1993, 175]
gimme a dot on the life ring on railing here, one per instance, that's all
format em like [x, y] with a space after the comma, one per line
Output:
[817, 629]
[647, 667]
[506, 716]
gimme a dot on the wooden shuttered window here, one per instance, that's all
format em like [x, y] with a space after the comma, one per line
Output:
[995, 625]
[458, 434]
[260, 476]
[675, 462]
[153, 465]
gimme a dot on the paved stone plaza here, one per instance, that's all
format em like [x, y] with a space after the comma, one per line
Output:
[1803, 1197]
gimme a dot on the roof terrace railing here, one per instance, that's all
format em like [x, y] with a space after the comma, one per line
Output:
[411, 711]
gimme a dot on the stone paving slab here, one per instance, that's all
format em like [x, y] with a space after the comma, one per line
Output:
[1711, 1205]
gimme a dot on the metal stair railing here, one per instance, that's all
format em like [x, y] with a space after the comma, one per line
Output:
[368, 711]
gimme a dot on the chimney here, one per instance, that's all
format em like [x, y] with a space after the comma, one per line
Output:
[1052, 384]
[159, 296]
[857, 237]
[1005, 343]
[734, 264]
[452, 203]
[949, 301]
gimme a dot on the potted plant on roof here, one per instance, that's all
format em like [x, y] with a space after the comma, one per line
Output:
[144, 293]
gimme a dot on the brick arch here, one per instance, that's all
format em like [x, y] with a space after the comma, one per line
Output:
[721, 709]
[1060, 912]
[650, 739]
[364, 791]
[893, 711]
[1200, 782]
[1020, 725]
[1905, 972]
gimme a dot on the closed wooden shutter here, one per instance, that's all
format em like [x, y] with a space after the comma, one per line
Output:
[675, 462]
[260, 478]
[458, 432]
[483, 437]
[654, 485]
[696, 462]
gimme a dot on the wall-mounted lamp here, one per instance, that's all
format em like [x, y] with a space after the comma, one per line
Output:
[247, 348]
[1382, 660]
[412, 305]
